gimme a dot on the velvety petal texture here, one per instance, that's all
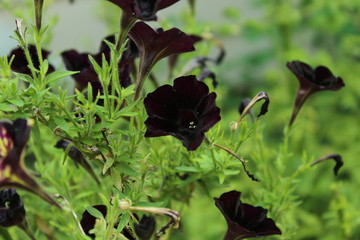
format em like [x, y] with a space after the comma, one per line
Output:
[13, 138]
[244, 220]
[12, 211]
[186, 111]
[87, 221]
[20, 63]
[311, 81]
[145, 228]
[143, 9]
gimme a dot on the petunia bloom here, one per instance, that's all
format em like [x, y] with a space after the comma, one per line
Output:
[311, 81]
[155, 45]
[13, 138]
[145, 228]
[186, 111]
[244, 220]
[20, 63]
[143, 9]
[12, 211]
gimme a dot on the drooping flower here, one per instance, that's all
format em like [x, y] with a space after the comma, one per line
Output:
[155, 45]
[12, 211]
[13, 138]
[143, 9]
[336, 157]
[186, 111]
[20, 64]
[78, 157]
[145, 228]
[244, 220]
[311, 81]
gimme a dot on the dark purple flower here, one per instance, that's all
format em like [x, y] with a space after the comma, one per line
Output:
[244, 220]
[12, 211]
[143, 9]
[88, 221]
[75, 61]
[78, 157]
[336, 157]
[13, 138]
[20, 63]
[155, 45]
[145, 228]
[186, 111]
[311, 81]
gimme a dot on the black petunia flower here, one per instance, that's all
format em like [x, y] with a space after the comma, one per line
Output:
[75, 61]
[143, 9]
[186, 111]
[12, 211]
[88, 221]
[312, 81]
[13, 138]
[145, 228]
[244, 220]
[155, 45]
[20, 63]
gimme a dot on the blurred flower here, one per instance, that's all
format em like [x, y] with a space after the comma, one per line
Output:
[155, 45]
[20, 64]
[145, 228]
[12, 211]
[143, 9]
[244, 220]
[186, 111]
[336, 157]
[311, 81]
[13, 138]
[78, 157]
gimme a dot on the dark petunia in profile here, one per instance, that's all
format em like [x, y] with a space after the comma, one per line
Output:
[78, 157]
[244, 220]
[311, 81]
[13, 138]
[12, 211]
[20, 64]
[336, 157]
[143, 9]
[145, 228]
[155, 45]
[186, 111]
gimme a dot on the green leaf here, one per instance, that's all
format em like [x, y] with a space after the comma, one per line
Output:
[187, 169]
[124, 219]
[58, 74]
[125, 168]
[108, 164]
[61, 122]
[94, 212]
[149, 204]
[116, 178]
[6, 107]
[17, 102]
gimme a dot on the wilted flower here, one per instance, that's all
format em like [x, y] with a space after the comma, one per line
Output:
[143, 9]
[155, 45]
[311, 81]
[186, 111]
[145, 228]
[244, 220]
[12, 211]
[20, 64]
[13, 138]
[78, 157]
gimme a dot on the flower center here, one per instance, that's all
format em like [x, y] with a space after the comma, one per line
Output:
[6, 143]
